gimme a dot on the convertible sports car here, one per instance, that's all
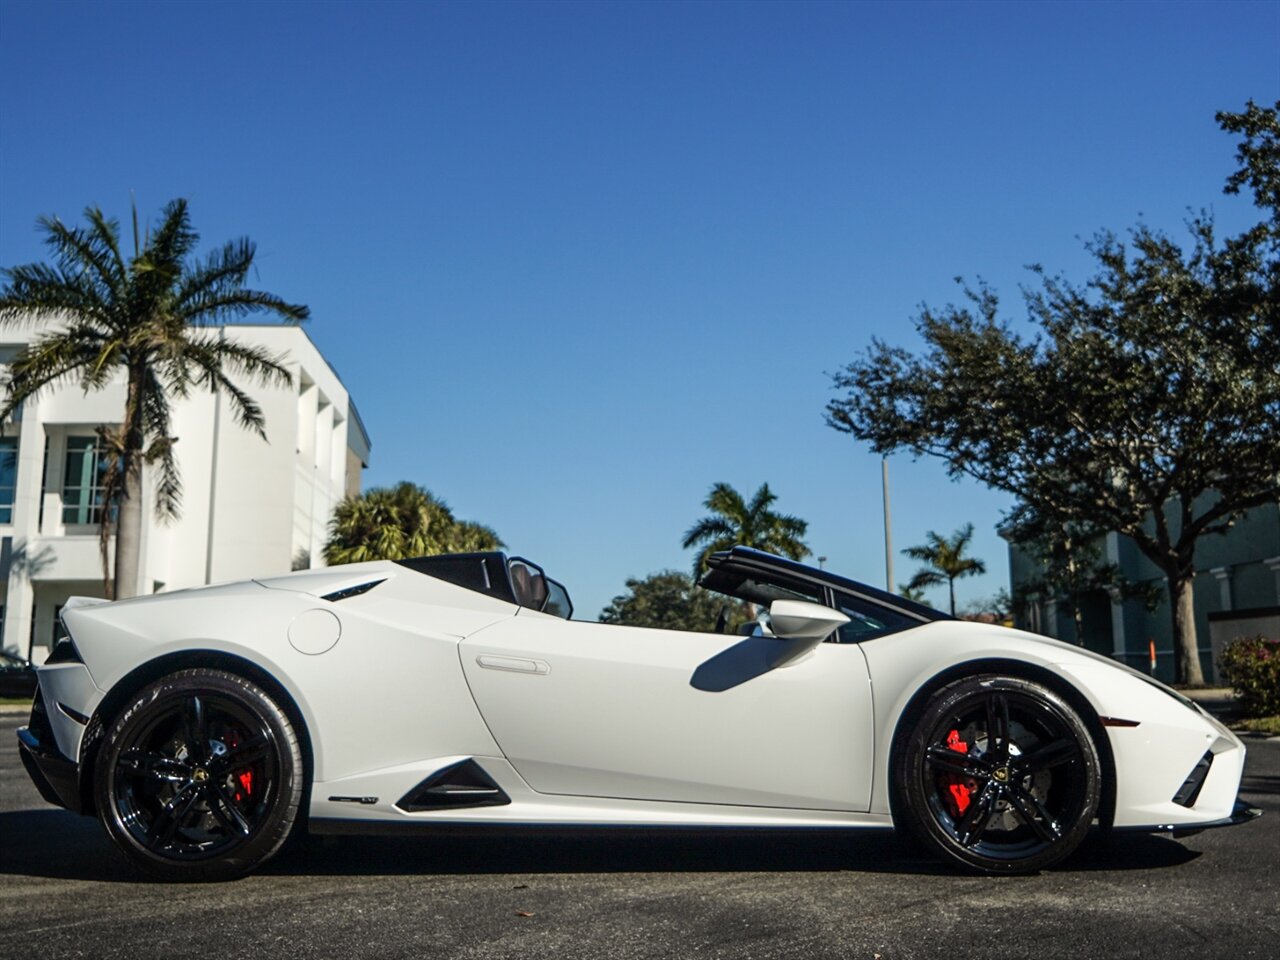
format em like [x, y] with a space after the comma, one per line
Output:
[455, 692]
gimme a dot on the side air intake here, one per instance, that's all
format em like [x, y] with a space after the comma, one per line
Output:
[463, 784]
[355, 591]
[1189, 792]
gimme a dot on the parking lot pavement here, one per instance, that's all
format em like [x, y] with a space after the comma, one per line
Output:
[64, 893]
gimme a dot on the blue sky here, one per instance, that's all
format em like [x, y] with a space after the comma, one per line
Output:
[577, 262]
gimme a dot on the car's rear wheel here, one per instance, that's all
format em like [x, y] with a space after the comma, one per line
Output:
[199, 777]
[999, 774]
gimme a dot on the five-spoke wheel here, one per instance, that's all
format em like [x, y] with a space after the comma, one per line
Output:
[200, 777]
[998, 773]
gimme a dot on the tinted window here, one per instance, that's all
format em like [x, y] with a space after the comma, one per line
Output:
[558, 603]
[867, 620]
[529, 584]
[762, 594]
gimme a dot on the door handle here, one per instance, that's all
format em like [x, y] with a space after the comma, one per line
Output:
[514, 664]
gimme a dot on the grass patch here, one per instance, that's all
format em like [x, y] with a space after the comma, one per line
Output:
[15, 701]
[1260, 725]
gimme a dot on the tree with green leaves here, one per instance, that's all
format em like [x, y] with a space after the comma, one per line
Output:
[734, 521]
[392, 523]
[916, 594]
[151, 319]
[1146, 404]
[1070, 567]
[944, 561]
[669, 600]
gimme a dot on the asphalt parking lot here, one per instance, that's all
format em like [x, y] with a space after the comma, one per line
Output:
[64, 893]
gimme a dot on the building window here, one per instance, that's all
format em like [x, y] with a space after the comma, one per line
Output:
[8, 476]
[83, 482]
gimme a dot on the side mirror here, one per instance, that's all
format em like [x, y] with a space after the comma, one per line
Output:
[803, 620]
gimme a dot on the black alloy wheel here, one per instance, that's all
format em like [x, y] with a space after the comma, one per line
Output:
[999, 774]
[200, 777]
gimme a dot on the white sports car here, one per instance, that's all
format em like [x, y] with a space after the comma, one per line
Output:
[203, 726]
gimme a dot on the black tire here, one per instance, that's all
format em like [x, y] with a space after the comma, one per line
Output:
[200, 777]
[1016, 802]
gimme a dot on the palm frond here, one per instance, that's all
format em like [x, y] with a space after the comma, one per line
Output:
[761, 500]
[168, 485]
[253, 361]
[36, 291]
[92, 253]
[224, 270]
[708, 528]
[723, 499]
[247, 412]
[923, 553]
[45, 362]
[174, 237]
[926, 578]
[207, 309]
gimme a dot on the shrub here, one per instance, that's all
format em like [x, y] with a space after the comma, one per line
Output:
[1252, 666]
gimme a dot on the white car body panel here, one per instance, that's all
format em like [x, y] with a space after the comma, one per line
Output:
[1151, 759]
[617, 714]
[586, 723]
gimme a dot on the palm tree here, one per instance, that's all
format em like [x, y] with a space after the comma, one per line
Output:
[908, 592]
[733, 521]
[149, 318]
[392, 523]
[945, 561]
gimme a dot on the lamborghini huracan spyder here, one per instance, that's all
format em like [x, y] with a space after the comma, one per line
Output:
[203, 726]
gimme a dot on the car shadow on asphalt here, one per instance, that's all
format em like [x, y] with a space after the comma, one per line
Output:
[55, 844]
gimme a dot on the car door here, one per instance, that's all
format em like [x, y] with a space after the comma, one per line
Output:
[600, 710]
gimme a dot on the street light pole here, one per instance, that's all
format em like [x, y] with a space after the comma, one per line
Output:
[888, 535]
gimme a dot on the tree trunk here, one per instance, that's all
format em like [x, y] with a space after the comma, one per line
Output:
[1077, 618]
[951, 583]
[129, 521]
[128, 535]
[1182, 607]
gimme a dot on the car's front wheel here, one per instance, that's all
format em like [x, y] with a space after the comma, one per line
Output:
[199, 777]
[999, 774]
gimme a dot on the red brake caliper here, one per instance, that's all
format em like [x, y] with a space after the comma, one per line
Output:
[960, 792]
[245, 777]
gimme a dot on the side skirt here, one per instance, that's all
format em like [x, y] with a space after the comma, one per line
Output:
[333, 826]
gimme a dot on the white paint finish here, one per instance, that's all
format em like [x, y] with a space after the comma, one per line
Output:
[314, 632]
[626, 726]
[387, 694]
[70, 684]
[618, 715]
[804, 620]
[1155, 757]
[901, 663]
[530, 808]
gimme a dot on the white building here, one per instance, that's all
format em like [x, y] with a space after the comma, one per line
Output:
[249, 507]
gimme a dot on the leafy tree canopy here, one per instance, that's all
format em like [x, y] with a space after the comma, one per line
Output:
[1070, 566]
[669, 601]
[392, 523]
[1146, 401]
